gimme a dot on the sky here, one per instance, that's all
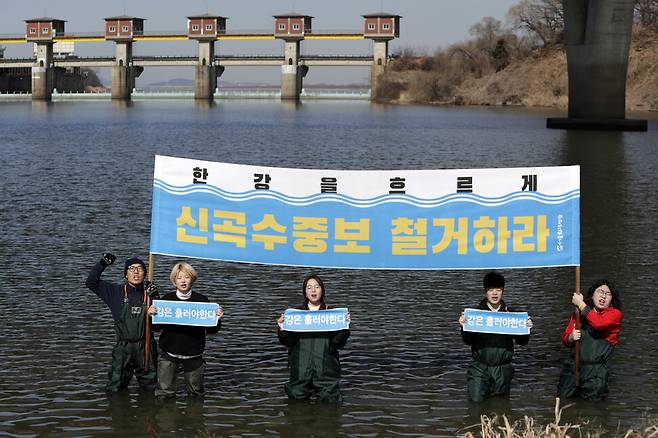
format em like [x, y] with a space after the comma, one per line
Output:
[425, 26]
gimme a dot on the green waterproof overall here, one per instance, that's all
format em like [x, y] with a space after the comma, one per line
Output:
[314, 369]
[595, 355]
[128, 353]
[490, 373]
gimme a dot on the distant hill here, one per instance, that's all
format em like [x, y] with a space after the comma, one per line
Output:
[183, 83]
[177, 82]
[188, 84]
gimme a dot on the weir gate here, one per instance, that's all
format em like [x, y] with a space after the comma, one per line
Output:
[207, 30]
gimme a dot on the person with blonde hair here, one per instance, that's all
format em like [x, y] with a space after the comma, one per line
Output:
[181, 345]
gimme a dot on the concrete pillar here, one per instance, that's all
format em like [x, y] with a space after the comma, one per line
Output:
[43, 72]
[379, 61]
[291, 80]
[302, 71]
[597, 38]
[123, 80]
[205, 76]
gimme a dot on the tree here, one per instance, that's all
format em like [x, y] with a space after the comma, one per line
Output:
[646, 13]
[487, 32]
[543, 19]
[500, 55]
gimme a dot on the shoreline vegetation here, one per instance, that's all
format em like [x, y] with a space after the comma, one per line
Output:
[521, 63]
[501, 427]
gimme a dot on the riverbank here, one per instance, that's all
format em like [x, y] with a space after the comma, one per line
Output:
[536, 80]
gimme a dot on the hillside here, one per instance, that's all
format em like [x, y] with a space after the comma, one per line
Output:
[536, 80]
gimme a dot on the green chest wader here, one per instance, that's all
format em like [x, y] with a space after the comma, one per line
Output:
[314, 369]
[128, 353]
[595, 355]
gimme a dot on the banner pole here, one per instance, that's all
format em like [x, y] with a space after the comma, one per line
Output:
[147, 341]
[577, 327]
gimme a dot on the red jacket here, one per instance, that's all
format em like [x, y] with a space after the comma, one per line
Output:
[607, 321]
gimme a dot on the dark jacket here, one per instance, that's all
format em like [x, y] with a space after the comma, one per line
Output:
[182, 339]
[493, 349]
[112, 293]
[299, 342]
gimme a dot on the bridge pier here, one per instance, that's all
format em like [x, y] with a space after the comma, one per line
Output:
[42, 32]
[597, 39]
[205, 78]
[123, 80]
[43, 72]
[291, 72]
[122, 30]
[205, 28]
[379, 61]
[381, 28]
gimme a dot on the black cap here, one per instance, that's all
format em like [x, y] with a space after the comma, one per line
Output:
[132, 261]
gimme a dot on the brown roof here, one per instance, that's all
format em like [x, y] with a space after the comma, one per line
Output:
[292, 15]
[34, 20]
[124, 17]
[381, 14]
[207, 15]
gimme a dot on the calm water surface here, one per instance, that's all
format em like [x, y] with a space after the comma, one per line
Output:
[76, 182]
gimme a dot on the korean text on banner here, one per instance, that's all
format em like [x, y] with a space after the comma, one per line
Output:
[185, 313]
[397, 219]
[295, 320]
[503, 323]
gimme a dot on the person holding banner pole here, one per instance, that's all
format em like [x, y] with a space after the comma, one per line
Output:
[183, 345]
[600, 318]
[128, 304]
[313, 357]
[490, 372]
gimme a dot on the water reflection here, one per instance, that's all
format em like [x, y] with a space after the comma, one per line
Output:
[121, 105]
[203, 104]
[140, 413]
[173, 418]
[604, 199]
[42, 107]
[291, 104]
[304, 419]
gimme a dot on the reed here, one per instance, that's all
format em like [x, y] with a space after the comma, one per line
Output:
[501, 427]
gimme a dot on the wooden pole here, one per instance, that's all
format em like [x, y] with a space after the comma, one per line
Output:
[152, 267]
[147, 341]
[577, 327]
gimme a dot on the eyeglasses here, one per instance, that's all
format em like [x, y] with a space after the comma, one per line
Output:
[135, 269]
[603, 293]
[311, 287]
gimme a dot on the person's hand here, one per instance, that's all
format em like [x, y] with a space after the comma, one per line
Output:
[574, 335]
[151, 310]
[577, 300]
[462, 320]
[151, 288]
[280, 322]
[529, 323]
[107, 259]
[349, 317]
[220, 312]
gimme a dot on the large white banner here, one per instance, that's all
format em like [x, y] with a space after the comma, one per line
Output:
[388, 219]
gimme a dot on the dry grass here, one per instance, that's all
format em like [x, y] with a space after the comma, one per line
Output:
[460, 75]
[501, 427]
[489, 427]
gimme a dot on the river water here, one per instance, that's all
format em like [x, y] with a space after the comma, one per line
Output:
[76, 182]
